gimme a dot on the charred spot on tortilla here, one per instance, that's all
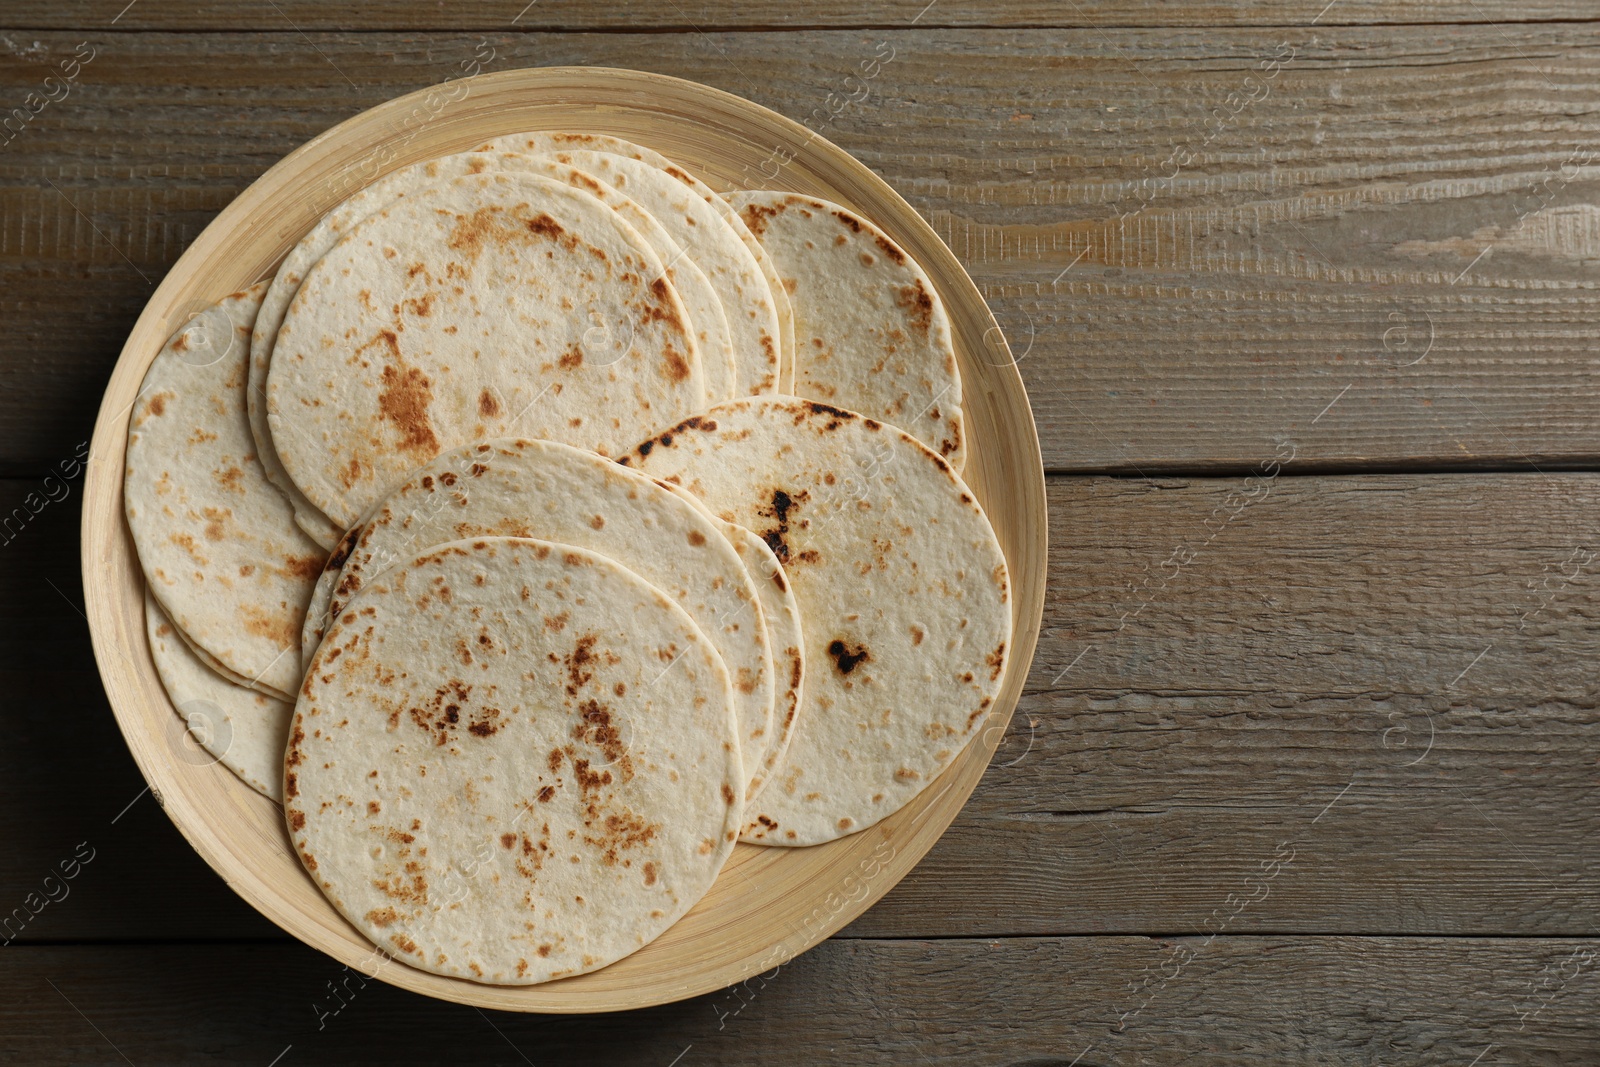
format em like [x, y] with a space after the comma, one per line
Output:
[846, 657]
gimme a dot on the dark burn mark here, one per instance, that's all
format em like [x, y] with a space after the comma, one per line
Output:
[777, 537]
[849, 220]
[341, 551]
[838, 414]
[546, 793]
[443, 712]
[846, 658]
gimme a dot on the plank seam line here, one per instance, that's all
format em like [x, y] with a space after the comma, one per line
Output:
[897, 27]
[1087, 935]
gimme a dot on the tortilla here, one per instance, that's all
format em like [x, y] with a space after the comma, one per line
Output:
[318, 617]
[700, 300]
[871, 333]
[490, 304]
[558, 493]
[218, 544]
[699, 227]
[567, 141]
[242, 729]
[781, 615]
[491, 775]
[902, 589]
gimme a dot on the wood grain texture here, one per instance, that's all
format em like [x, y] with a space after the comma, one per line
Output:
[1042, 1002]
[1313, 642]
[1330, 234]
[767, 904]
[703, 15]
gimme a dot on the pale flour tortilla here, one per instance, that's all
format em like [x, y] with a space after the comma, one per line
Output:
[242, 729]
[491, 775]
[487, 305]
[568, 141]
[781, 615]
[902, 589]
[553, 492]
[318, 617]
[218, 544]
[696, 224]
[700, 300]
[871, 334]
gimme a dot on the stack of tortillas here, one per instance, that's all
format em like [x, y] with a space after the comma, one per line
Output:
[548, 524]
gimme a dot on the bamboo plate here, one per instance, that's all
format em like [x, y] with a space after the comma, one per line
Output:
[769, 904]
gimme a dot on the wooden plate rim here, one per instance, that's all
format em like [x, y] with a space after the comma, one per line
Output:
[842, 879]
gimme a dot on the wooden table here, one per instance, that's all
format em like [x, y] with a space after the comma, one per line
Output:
[1305, 298]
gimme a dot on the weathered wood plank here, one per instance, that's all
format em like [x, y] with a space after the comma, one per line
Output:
[1087, 1001]
[726, 14]
[1389, 677]
[1315, 641]
[1324, 242]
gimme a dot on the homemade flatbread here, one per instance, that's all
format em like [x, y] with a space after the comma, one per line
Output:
[695, 222]
[494, 304]
[557, 493]
[218, 544]
[902, 589]
[871, 334]
[781, 614]
[242, 729]
[570, 141]
[492, 775]
[700, 301]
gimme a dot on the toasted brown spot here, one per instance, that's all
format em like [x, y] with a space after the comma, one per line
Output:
[546, 793]
[696, 538]
[407, 392]
[727, 793]
[507, 840]
[996, 661]
[914, 299]
[890, 249]
[274, 628]
[545, 226]
[488, 406]
[846, 822]
[649, 874]
[677, 366]
[382, 916]
[571, 359]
